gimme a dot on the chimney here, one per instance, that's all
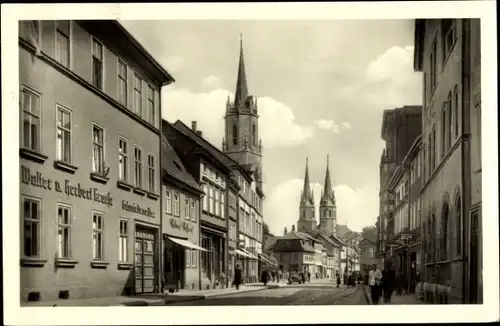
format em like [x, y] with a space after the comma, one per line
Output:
[293, 228]
[193, 125]
[199, 133]
[286, 231]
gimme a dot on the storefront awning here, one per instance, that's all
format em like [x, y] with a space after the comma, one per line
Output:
[264, 259]
[250, 255]
[242, 253]
[187, 244]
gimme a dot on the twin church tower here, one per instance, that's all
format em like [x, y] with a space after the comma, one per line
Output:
[327, 206]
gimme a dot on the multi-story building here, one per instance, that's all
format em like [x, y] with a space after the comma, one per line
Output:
[350, 251]
[181, 223]
[447, 51]
[97, 90]
[244, 147]
[295, 252]
[210, 168]
[400, 127]
[367, 250]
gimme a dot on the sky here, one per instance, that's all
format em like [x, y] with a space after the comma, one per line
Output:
[321, 85]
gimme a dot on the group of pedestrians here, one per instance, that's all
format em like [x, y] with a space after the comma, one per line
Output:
[382, 283]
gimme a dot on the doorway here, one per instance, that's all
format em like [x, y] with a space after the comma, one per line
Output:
[475, 255]
[145, 261]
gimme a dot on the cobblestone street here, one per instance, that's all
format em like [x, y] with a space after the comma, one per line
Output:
[301, 294]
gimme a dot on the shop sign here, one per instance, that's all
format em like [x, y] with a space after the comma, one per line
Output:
[144, 235]
[36, 179]
[135, 208]
[185, 226]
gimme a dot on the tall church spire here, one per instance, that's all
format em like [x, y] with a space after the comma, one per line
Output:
[328, 193]
[241, 83]
[306, 191]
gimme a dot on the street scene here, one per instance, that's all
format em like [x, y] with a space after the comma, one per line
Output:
[260, 163]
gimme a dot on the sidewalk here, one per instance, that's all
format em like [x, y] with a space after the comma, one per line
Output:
[409, 299]
[151, 299]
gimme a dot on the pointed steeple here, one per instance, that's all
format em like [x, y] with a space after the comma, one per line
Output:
[241, 83]
[306, 191]
[328, 193]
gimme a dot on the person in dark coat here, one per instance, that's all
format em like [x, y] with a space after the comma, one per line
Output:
[338, 280]
[388, 280]
[265, 276]
[237, 276]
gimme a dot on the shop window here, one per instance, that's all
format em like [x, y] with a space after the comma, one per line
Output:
[123, 251]
[31, 231]
[97, 64]
[97, 236]
[63, 42]
[63, 134]
[64, 231]
[31, 108]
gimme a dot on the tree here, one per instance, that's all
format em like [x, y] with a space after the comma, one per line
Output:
[265, 230]
[370, 233]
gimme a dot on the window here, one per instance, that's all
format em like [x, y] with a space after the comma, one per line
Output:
[210, 199]
[97, 236]
[137, 167]
[448, 36]
[31, 108]
[216, 202]
[122, 82]
[187, 253]
[64, 231]
[194, 213]
[222, 206]
[455, 109]
[123, 251]
[235, 134]
[97, 64]
[63, 135]
[63, 42]
[31, 31]
[31, 235]
[433, 146]
[151, 106]
[176, 204]
[151, 173]
[444, 233]
[168, 201]
[433, 72]
[449, 123]
[137, 104]
[458, 224]
[444, 123]
[122, 159]
[186, 208]
[419, 158]
[205, 197]
[98, 149]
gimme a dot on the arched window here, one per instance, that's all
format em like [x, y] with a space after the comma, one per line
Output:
[444, 132]
[458, 218]
[235, 134]
[254, 135]
[449, 128]
[433, 235]
[455, 109]
[444, 232]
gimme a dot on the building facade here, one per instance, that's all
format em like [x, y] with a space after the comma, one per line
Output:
[400, 127]
[181, 196]
[367, 250]
[447, 51]
[97, 90]
[295, 253]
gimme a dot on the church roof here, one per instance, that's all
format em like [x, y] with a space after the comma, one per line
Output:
[328, 194]
[307, 195]
[241, 94]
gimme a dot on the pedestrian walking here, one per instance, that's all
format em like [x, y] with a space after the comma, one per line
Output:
[309, 276]
[388, 280]
[237, 276]
[338, 280]
[265, 276]
[375, 279]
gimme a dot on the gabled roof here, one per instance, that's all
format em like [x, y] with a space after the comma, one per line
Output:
[342, 231]
[292, 245]
[298, 235]
[172, 166]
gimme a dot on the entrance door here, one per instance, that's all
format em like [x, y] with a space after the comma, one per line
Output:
[144, 265]
[474, 256]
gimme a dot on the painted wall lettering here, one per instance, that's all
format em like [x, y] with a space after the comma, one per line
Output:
[137, 209]
[36, 179]
[185, 226]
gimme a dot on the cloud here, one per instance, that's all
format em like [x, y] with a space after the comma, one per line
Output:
[277, 125]
[210, 81]
[356, 207]
[173, 63]
[331, 125]
[346, 125]
[392, 65]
